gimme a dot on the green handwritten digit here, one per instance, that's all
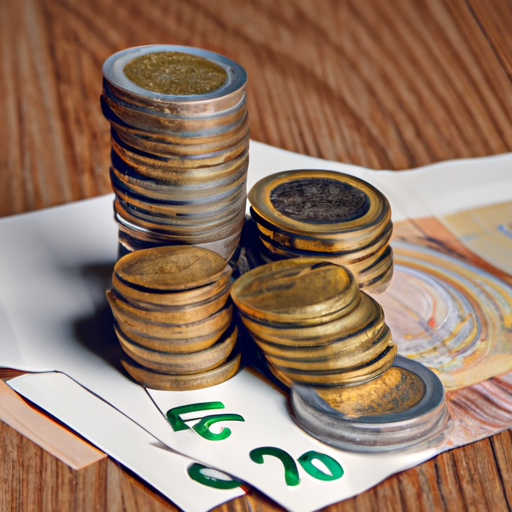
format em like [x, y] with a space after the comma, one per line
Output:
[306, 461]
[174, 418]
[291, 474]
[203, 426]
[195, 471]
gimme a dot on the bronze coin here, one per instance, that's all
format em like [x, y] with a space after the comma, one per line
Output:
[182, 314]
[304, 290]
[150, 327]
[170, 268]
[175, 73]
[187, 344]
[180, 363]
[348, 377]
[198, 295]
[361, 313]
[156, 380]
[342, 360]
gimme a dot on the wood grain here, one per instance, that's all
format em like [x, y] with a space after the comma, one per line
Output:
[48, 435]
[387, 85]
[43, 465]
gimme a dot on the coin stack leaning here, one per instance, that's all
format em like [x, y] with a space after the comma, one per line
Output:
[313, 323]
[174, 317]
[179, 147]
[327, 341]
[324, 214]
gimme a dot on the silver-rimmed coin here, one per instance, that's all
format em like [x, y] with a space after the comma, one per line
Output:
[397, 427]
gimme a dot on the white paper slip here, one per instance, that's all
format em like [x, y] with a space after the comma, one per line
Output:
[245, 427]
[126, 442]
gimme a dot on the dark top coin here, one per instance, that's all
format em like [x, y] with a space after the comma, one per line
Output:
[319, 200]
[321, 205]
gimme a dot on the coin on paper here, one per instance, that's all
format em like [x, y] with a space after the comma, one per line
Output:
[170, 268]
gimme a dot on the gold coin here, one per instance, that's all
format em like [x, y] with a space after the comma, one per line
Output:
[396, 390]
[183, 314]
[164, 169]
[350, 377]
[175, 73]
[127, 110]
[361, 347]
[170, 268]
[162, 205]
[164, 114]
[319, 249]
[377, 277]
[175, 345]
[200, 145]
[176, 225]
[151, 328]
[360, 315]
[336, 360]
[156, 380]
[170, 181]
[373, 273]
[343, 344]
[200, 161]
[181, 362]
[182, 190]
[172, 129]
[131, 239]
[321, 204]
[191, 233]
[173, 299]
[297, 290]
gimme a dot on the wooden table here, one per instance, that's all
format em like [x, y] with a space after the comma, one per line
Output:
[387, 85]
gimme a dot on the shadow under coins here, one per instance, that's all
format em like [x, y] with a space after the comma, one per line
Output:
[96, 332]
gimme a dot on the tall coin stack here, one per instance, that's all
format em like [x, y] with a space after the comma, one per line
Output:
[324, 214]
[174, 317]
[179, 147]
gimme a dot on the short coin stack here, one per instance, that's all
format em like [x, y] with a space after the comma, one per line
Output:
[328, 215]
[327, 341]
[174, 317]
[313, 323]
[179, 151]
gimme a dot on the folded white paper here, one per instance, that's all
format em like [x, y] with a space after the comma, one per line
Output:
[123, 440]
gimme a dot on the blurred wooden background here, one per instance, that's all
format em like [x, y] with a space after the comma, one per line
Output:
[387, 85]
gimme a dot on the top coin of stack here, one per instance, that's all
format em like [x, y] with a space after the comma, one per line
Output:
[180, 139]
[174, 317]
[328, 215]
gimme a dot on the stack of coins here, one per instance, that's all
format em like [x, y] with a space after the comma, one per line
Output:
[327, 341]
[174, 317]
[325, 214]
[313, 323]
[179, 152]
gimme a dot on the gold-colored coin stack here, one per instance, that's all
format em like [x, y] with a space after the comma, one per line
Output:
[313, 324]
[174, 317]
[179, 152]
[328, 215]
[328, 343]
